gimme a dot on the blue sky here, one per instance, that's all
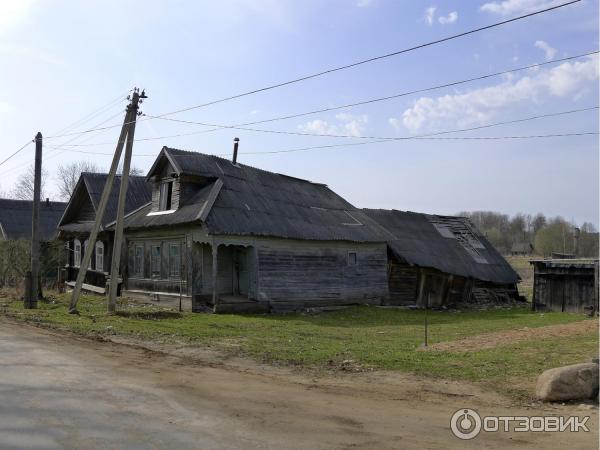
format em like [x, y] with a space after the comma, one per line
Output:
[63, 59]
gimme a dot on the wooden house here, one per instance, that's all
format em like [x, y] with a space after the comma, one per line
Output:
[15, 219]
[15, 240]
[567, 285]
[76, 222]
[236, 238]
[207, 232]
[441, 260]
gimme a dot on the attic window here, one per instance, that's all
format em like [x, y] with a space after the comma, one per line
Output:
[166, 193]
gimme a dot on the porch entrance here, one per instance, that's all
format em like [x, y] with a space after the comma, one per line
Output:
[233, 274]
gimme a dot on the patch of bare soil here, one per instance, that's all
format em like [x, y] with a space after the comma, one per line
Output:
[200, 399]
[491, 340]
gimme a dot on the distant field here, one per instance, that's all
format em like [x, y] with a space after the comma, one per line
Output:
[358, 338]
[525, 270]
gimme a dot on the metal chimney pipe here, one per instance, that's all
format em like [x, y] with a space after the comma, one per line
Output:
[236, 142]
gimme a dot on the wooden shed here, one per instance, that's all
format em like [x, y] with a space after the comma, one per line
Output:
[567, 285]
[440, 260]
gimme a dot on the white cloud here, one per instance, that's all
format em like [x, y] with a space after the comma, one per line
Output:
[508, 7]
[545, 47]
[450, 18]
[430, 14]
[364, 3]
[350, 124]
[479, 105]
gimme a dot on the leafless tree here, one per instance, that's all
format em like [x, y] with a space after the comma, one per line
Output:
[23, 188]
[135, 171]
[68, 175]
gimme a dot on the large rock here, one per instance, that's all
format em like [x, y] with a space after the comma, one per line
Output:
[579, 381]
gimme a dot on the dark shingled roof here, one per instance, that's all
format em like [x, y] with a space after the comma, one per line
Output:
[15, 219]
[254, 202]
[139, 192]
[450, 244]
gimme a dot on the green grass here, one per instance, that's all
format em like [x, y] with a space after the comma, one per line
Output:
[370, 337]
[525, 270]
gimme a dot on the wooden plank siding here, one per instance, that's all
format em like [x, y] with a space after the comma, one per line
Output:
[293, 275]
[566, 289]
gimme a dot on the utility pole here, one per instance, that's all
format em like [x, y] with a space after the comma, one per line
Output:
[132, 109]
[130, 118]
[32, 292]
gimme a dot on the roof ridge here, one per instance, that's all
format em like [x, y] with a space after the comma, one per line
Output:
[245, 165]
[104, 174]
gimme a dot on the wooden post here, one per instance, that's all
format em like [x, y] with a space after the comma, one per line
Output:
[533, 299]
[118, 242]
[87, 256]
[596, 286]
[215, 251]
[421, 287]
[31, 301]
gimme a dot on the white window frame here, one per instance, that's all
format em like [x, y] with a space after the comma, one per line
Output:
[100, 256]
[85, 245]
[76, 253]
[165, 196]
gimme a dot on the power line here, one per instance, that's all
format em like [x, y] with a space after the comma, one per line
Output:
[539, 136]
[15, 153]
[299, 133]
[93, 114]
[50, 154]
[405, 138]
[68, 142]
[364, 102]
[373, 59]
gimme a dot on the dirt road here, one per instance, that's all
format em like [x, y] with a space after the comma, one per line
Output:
[58, 391]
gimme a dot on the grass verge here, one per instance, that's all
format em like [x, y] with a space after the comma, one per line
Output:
[358, 338]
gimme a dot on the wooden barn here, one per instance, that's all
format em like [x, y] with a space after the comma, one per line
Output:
[442, 260]
[76, 223]
[567, 285]
[236, 238]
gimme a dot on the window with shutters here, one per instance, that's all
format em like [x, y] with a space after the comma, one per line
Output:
[76, 253]
[138, 260]
[174, 261]
[155, 260]
[100, 256]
